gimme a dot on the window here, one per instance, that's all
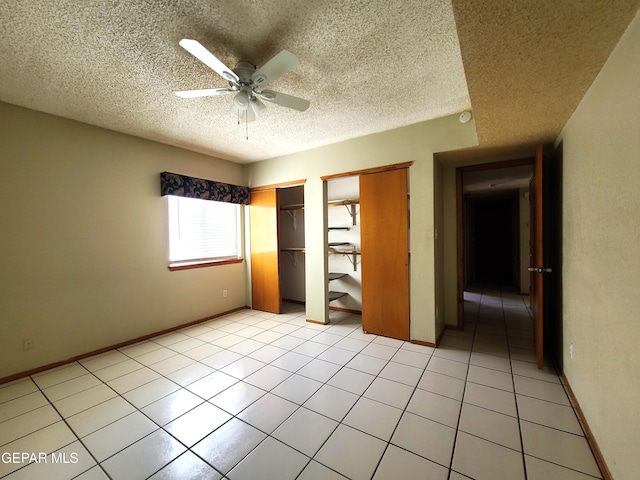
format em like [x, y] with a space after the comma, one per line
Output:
[202, 231]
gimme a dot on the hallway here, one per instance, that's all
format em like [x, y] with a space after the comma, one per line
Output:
[509, 405]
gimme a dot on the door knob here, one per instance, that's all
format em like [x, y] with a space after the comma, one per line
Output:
[539, 270]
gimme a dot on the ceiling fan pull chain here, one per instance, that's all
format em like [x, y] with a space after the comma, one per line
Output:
[246, 124]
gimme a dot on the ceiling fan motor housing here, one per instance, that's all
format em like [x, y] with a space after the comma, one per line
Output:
[244, 70]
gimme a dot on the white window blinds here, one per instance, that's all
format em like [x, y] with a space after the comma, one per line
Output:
[202, 229]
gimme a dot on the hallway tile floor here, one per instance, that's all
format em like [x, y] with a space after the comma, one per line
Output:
[253, 395]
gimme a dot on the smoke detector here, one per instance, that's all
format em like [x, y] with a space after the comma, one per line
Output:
[465, 117]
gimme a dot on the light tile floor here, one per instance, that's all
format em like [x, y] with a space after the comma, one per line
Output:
[258, 396]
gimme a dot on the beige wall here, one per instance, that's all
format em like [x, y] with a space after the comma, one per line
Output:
[440, 212]
[450, 247]
[601, 259]
[415, 143]
[84, 244]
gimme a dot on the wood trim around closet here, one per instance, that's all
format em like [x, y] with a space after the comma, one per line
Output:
[366, 171]
[293, 183]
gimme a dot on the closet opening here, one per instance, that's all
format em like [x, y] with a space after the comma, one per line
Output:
[368, 247]
[343, 231]
[291, 237]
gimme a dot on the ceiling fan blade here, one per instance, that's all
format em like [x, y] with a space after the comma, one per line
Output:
[282, 63]
[285, 100]
[207, 92]
[205, 56]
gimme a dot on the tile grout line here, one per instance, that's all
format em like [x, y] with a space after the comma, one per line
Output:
[464, 389]
[99, 464]
[233, 416]
[515, 398]
[268, 435]
[388, 442]
[117, 395]
[136, 409]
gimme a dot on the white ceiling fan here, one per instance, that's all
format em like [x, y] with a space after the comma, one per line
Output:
[246, 82]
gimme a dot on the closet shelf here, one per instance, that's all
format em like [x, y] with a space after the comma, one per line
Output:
[350, 204]
[337, 203]
[337, 276]
[352, 255]
[336, 295]
[292, 211]
[293, 253]
[297, 206]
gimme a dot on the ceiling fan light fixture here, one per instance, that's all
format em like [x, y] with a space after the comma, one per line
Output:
[257, 106]
[241, 100]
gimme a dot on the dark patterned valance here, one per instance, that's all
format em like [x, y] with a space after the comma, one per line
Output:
[183, 186]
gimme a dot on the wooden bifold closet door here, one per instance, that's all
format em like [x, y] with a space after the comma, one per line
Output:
[265, 268]
[384, 236]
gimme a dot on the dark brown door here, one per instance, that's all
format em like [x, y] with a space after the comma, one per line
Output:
[537, 257]
[384, 240]
[265, 269]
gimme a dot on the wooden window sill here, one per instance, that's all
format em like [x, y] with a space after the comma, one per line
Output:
[202, 264]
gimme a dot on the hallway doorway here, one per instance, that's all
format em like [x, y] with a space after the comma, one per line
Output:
[492, 226]
[493, 239]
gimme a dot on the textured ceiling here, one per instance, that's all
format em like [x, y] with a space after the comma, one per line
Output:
[366, 66]
[528, 63]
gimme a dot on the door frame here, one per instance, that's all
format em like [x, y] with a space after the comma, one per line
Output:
[460, 226]
[367, 171]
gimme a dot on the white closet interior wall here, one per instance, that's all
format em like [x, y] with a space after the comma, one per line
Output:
[347, 188]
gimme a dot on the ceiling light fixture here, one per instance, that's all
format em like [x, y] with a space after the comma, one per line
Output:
[241, 100]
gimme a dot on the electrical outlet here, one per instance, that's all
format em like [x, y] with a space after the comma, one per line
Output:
[27, 344]
[224, 293]
[571, 351]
